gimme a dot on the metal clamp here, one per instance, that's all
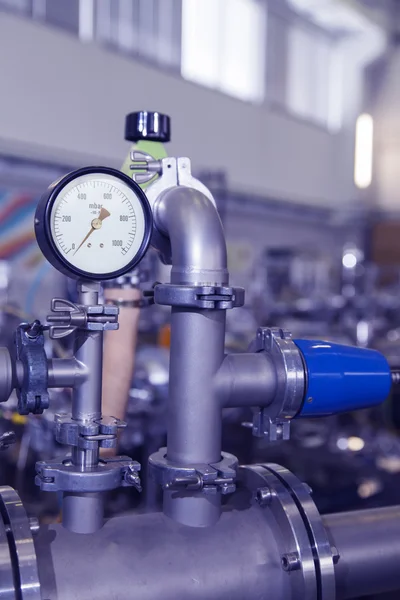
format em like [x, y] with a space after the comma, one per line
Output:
[209, 479]
[110, 473]
[273, 421]
[199, 296]
[100, 433]
[67, 317]
[33, 396]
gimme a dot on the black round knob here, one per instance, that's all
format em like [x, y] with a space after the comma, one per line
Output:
[146, 125]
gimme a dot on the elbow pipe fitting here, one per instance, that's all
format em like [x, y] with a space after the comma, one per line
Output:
[191, 222]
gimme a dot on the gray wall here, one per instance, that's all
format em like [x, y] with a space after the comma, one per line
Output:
[62, 100]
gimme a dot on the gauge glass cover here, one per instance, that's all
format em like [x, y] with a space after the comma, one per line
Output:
[97, 223]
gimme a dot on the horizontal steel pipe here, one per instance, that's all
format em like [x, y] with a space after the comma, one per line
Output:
[151, 557]
[246, 380]
[368, 543]
[66, 372]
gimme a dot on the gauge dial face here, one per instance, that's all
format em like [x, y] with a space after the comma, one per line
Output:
[97, 223]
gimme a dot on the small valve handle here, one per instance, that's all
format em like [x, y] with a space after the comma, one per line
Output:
[144, 166]
[147, 125]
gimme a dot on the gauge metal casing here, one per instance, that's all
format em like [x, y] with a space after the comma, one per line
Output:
[45, 234]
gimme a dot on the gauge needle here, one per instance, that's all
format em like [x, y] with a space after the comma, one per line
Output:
[96, 224]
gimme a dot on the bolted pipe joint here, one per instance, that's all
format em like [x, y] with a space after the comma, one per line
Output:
[291, 562]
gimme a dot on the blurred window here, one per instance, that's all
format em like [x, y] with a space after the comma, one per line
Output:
[16, 5]
[277, 43]
[146, 28]
[223, 46]
[333, 15]
[58, 12]
[61, 13]
[309, 74]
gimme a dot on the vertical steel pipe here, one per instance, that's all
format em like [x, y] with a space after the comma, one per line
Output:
[88, 350]
[83, 513]
[198, 248]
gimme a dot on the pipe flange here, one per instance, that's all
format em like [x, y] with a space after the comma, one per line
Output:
[209, 479]
[323, 552]
[303, 542]
[199, 296]
[273, 421]
[7, 564]
[19, 577]
[62, 475]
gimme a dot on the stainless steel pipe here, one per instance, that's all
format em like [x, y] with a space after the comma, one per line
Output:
[150, 557]
[66, 372]
[368, 542]
[88, 350]
[191, 223]
[83, 513]
[246, 380]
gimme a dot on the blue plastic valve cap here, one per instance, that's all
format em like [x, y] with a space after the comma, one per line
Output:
[342, 378]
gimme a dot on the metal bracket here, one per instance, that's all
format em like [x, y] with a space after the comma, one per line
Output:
[62, 475]
[209, 479]
[275, 430]
[67, 317]
[33, 396]
[273, 421]
[199, 296]
[100, 433]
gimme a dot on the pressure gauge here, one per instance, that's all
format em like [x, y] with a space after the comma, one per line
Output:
[94, 223]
